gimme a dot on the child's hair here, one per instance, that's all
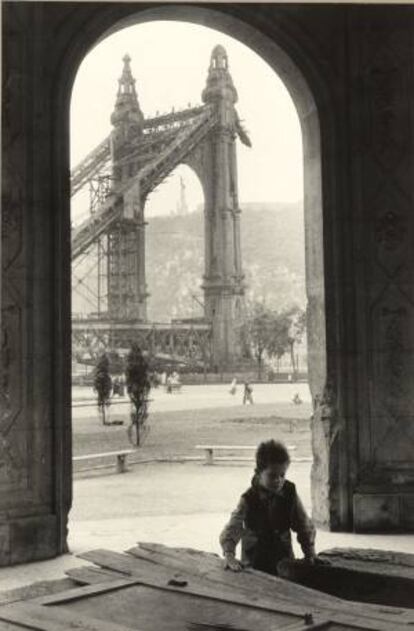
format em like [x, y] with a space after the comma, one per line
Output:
[271, 452]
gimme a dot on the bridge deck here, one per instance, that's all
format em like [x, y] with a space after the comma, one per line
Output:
[108, 325]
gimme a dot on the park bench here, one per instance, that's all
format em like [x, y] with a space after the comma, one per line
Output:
[121, 457]
[210, 449]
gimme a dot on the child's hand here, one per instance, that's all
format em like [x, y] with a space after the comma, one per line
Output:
[231, 563]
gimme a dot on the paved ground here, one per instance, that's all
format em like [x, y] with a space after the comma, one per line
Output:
[182, 504]
[175, 504]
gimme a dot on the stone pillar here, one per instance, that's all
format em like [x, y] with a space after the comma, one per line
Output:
[35, 434]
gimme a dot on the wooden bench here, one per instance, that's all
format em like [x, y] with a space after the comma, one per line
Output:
[210, 449]
[121, 457]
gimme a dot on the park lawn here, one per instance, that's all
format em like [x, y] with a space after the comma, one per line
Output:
[174, 434]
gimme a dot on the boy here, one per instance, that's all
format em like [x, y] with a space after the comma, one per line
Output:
[266, 514]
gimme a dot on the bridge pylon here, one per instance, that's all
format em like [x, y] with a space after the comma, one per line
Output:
[127, 290]
[223, 279]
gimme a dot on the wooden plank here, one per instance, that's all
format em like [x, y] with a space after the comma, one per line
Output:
[159, 578]
[210, 567]
[10, 626]
[86, 575]
[38, 618]
[76, 593]
[35, 590]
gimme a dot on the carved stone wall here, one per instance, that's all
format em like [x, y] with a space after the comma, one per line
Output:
[32, 524]
[382, 89]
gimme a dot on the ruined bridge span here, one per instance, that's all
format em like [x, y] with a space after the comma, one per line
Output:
[129, 164]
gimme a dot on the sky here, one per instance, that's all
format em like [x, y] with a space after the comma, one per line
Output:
[169, 61]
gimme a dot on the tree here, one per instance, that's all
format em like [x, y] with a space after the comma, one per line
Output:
[138, 385]
[297, 329]
[266, 332]
[102, 384]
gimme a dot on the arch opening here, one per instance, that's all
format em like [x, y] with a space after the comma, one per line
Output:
[308, 116]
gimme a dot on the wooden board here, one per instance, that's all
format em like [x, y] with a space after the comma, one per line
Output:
[164, 578]
[155, 588]
[40, 618]
[35, 590]
[155, 609]
[210, 567]
[375, 619]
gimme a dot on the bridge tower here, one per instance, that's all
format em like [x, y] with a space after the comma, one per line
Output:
[127, 290]
[223, 279]
[142, 153]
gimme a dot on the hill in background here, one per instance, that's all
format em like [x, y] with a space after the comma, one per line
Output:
[273, 257]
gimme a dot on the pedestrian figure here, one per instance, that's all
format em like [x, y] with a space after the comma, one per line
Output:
[115, 386]
[297, 399]
[248, 393]
[266, 514]
[233, 386]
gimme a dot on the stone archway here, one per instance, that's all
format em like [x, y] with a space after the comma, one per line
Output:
[36, 492]
[330, 503]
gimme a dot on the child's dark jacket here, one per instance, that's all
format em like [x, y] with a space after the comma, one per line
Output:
[262, 521]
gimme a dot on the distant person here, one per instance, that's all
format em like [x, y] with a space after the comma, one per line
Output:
[248, 393]
[297, 399]
[233, 386]
[289, 378]
[266, 514]
[175, 377]
[115, 386]
[169, 384]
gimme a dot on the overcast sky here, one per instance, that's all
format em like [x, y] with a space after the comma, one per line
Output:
[170, 62]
